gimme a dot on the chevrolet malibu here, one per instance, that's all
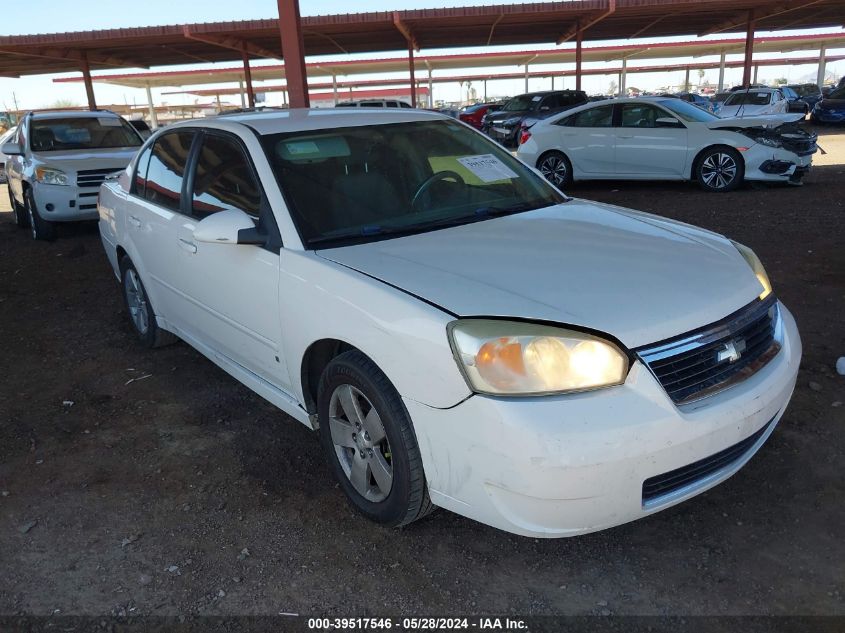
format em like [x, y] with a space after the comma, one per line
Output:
[457, 331]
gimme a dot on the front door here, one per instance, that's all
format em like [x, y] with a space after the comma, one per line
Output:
[649, 146]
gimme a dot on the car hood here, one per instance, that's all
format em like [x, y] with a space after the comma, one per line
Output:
[635, 276]
[763, 120]
[77, 159]
[498, 116]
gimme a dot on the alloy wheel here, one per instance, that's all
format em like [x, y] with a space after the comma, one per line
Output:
[33, 230]
[136, 300]
[360, 443]
[554, 169]
[718, 170]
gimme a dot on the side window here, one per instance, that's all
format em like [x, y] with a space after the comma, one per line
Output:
[167, 169]
[372, 104]
[639, 115]
[139, 185]
[224, 179]
[402, 104]
[601, 116]
[550, 103]
[392, 104]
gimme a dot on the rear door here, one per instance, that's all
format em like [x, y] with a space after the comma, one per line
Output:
[229, 292]
[587, 138]
[647, 146]
[153, 216]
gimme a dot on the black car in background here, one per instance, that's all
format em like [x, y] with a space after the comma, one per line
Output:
[796, 103]
[696, 99]
[810, 93]
[504, 125]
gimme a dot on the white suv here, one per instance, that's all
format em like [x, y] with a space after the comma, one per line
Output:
[459, 332]
[58, 160]
[374, 103]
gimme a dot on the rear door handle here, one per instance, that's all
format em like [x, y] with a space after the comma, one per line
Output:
[134, 221]
[188, 246]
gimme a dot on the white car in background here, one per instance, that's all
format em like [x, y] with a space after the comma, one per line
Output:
[662, 138]
[459, 332]
[754, 102]
[57, 161]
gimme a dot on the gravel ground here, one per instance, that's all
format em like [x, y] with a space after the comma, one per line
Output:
[138, 482]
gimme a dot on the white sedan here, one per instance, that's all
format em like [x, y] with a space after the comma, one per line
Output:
[457, 331]
[754, 102]
[663, 138]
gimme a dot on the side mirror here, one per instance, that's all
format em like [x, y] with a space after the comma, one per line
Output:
[667, 121]
[11, 149]
[230, 226]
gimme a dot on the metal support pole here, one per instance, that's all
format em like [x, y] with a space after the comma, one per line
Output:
[293, 52]
[749, 51]
[686, 80]
[579, 36]
[243, 96]
[722, 72]
[89, 85]
[623, 77]
[334, 87]
[485, 90]
[526, 77]
[219, 105]
[430, 90]
[756, 68]
[153, 117]
[553, 82]
[250, 92]
[822, 64]
[411, 71]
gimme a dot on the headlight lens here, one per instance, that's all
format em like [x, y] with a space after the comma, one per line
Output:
[513, 358]
[49, 176]
[757, 267]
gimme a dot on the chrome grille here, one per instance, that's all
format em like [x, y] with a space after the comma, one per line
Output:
[704, 362]
[94, 177]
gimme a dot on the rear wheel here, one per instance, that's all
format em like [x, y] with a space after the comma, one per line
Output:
[369, 441]
[40, 228]
[141, 313]
[720, 169]
[556, 168]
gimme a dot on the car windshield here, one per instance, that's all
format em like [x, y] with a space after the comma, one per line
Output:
[358, 184]
[522, 102]
[748, 98]
[719, 97]
[687, 111]
[49, 135]
[808, 90]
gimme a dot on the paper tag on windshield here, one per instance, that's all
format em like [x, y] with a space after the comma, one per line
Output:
[109, 121]
[487, 167]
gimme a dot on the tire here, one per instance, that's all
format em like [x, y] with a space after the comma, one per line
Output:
[375, 458]
[40, 228]
[139, 308]
[556, 168]
[719, 169]
[21, 218]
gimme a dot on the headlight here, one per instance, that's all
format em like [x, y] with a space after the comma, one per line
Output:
[757, 267]
[49, 176]
[513, 358]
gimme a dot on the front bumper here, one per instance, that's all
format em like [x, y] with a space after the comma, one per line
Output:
[828, 116]
[775, 164]
[65, 203]
[503, 134]
[568, 465]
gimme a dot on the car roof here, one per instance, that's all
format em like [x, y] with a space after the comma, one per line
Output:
[304, 119]
[73, 114]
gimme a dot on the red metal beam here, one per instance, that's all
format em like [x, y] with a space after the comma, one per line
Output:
[250, 93]
[568, 35]
[76, 55]
[760, 14]
[293, 52]
[233, 43]
[749, 50]
[406, 31]
[579, 39]
[89, 85]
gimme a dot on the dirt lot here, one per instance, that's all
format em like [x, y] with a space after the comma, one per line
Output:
[137, 482]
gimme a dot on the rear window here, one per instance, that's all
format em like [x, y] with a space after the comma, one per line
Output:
[60, 134]
[749, 98]
[807, 90]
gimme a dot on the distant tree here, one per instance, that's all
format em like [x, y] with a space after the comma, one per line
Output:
[613, 88]
[780, 81]
[700, 75]
[64, 103]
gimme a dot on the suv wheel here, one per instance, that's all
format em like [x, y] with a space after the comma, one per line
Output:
[369, 441]
[21, 218]
[40, 228]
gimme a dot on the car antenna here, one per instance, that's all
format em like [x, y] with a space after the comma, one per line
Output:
[742, 105]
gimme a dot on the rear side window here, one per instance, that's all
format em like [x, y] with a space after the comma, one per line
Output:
[167, 169]
[594, 117]
[224, 179]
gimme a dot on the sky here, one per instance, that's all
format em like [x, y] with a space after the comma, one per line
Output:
[61, 16]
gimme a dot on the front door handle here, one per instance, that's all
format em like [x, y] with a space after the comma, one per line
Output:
[134, 221]
[188, 245]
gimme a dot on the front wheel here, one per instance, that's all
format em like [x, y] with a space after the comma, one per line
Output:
[556, 168]
[21, 218]
[369, 441]
[720, 169]
[40, 228]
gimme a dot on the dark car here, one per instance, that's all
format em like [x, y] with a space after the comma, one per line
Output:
[810, 93]
[696, 99]
[831, 109]
[751, 87]
[141, 127]
[474, 113]
[796, 103]
[505, 124]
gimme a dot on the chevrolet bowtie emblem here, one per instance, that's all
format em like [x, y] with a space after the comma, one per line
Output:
[731, 351]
